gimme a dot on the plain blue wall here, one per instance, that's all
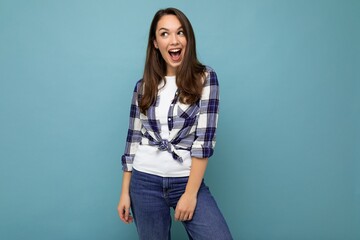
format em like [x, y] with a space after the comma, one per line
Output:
[287, 160]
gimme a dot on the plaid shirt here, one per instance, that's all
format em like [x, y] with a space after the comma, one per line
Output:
[191, 127]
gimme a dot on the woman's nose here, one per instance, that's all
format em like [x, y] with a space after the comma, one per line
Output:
[174, 39]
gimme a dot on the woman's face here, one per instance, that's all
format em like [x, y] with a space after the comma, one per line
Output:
[171, 42]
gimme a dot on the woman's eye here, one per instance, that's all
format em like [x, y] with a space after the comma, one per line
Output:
[181, 33]
[164, 34]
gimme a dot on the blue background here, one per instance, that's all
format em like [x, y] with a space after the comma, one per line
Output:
[287, 159]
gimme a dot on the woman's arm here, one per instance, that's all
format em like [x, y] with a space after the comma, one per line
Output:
[124, 203]
[134, 132]
[186, 205]
[203, 146]
[132, 141]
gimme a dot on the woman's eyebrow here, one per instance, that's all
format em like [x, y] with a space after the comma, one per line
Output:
[165, 29]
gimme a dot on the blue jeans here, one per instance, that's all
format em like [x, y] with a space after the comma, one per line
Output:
[151, 199]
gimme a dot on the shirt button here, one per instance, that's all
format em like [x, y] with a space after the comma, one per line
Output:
[169, 119]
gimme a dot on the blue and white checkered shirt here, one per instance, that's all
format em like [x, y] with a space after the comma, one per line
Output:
[191, 127]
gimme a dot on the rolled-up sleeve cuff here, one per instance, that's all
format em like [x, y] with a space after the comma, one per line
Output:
[127, 163]
[204, 152]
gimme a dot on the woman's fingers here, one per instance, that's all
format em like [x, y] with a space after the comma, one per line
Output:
[185, 207]
[121, 214]
[183, 215]
[124, 208]
[125, 214]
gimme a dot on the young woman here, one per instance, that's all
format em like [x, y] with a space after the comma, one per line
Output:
[171, 135]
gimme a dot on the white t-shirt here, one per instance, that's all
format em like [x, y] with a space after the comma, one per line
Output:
[150, 159]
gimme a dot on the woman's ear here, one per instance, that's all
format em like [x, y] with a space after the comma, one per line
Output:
[155, 44]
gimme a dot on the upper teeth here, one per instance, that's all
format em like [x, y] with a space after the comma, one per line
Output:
[174, 50]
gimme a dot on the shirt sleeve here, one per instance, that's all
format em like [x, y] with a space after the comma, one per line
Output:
[205, 133]
[134, 132]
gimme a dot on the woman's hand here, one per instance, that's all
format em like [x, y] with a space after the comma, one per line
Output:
[185, 207]
[124, 209]
[124, 203]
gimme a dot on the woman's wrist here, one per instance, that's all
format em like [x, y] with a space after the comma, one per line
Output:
[191, 194]
[125, 189]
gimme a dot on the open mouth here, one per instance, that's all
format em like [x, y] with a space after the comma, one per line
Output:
[175, 54]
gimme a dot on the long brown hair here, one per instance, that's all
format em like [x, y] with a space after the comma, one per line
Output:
[188, 75]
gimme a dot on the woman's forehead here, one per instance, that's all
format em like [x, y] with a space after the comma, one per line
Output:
[168, 22]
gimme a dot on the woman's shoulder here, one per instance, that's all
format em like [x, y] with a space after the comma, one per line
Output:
[208, 69]
[138, 85]
[210, 76]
